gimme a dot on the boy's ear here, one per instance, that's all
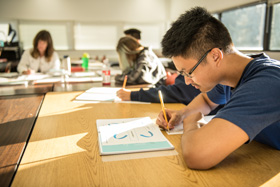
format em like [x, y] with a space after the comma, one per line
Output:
[217, 55]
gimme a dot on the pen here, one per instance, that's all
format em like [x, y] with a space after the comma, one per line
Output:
[162, 106]
[124, 82]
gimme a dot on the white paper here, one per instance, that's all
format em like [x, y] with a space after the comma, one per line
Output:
[99, 94]
[103, 90]
[178, 129]
[9, 75]
[83, 74]
[22, 79]
[87, 96]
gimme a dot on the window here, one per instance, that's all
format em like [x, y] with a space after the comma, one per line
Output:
[246, 26]
[150, 34]
[58, 31]
[275, 28]
[215, 16]
[91, 36]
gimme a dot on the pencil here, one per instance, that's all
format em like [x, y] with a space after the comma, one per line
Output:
[163, 110]
[124, 82]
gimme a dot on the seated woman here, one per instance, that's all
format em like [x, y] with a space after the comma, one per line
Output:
[139, 63]
[41, 58]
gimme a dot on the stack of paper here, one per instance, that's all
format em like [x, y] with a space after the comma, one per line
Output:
[21, 79]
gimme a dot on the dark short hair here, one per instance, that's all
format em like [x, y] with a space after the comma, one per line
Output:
[195, 32]
[133, 32]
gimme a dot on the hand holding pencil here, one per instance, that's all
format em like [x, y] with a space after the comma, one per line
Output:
[124, 94]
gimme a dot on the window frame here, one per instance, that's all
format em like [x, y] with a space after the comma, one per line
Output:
[269, 27]
[267, 24]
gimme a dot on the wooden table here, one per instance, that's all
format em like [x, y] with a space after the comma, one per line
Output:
[69, 87]
[63, 151]
[17, 117]
[25, 89]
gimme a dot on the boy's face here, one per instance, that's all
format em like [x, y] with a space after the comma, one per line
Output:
[202, 78]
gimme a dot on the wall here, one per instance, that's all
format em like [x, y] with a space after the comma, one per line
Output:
[92, 11]
[84, 10]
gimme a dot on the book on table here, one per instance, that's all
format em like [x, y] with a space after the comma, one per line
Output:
[130, 135]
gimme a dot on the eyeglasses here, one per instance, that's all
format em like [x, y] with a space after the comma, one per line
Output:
[183, 73]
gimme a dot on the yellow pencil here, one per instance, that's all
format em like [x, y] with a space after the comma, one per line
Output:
[124, 82]
[163, 110]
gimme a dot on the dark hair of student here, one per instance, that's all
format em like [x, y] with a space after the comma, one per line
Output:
[44, 36]
[133, 32]
[195, 32]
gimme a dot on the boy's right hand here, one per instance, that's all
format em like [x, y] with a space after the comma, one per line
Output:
[174, 117]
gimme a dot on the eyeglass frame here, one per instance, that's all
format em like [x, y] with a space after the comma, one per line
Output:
[183, 73]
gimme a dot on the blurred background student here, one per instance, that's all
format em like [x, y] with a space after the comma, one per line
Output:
[41, 58]
[134, 33]
[139, 63]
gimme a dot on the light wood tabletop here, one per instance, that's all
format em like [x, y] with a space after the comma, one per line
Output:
[63, 151]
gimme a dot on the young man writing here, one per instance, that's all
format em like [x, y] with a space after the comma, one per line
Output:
[249, 86]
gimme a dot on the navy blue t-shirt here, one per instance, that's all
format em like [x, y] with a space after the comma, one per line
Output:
[254, 105]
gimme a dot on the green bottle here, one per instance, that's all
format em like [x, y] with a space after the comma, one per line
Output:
[85, 60]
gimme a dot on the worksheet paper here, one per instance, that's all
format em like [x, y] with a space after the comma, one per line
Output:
[178, 129]
[103, 94]
[99, 94]
[120, 136]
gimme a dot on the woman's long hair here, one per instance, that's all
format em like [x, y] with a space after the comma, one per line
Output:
[44, 36]
[129, 45]
[128, 49]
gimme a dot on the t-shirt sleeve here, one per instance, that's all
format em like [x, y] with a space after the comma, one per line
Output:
[253, 108]
[219, 94]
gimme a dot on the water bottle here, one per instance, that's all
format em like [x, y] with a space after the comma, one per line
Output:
[106, 74]
[85, 59]
[66, 64]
